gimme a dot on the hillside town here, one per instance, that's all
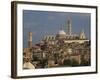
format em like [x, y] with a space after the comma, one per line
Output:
[64, 49]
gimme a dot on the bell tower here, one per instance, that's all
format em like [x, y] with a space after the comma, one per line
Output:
[69, 27]
[30, 40]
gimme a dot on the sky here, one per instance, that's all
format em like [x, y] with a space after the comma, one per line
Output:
[42, 23]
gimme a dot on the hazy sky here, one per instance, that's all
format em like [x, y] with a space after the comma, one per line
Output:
[47, 22]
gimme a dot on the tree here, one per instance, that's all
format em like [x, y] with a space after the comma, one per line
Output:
[74, 63]
[67, 62]
[85, 62]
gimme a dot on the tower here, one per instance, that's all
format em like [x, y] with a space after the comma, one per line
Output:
[69, 27]
[82, 35]
[30, 40]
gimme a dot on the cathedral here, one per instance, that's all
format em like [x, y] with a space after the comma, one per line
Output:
[68, 36]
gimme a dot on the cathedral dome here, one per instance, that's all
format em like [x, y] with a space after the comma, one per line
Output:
[61, 32]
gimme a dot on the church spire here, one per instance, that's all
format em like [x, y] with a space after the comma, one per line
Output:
[82, 35]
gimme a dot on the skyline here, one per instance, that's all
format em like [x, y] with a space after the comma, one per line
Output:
[49, 23]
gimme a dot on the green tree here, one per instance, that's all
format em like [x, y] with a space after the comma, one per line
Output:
[67, 62]
[74, 63]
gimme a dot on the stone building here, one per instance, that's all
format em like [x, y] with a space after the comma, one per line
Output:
[56, 50]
